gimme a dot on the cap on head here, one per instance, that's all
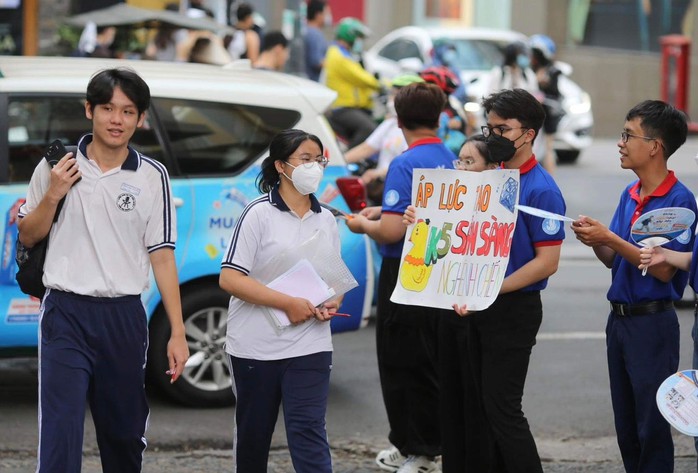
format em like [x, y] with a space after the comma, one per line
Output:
[405, 79]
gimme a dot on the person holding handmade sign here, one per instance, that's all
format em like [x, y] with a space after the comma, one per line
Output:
[500, 338]
[642, 332]
[452, 333]
[405, 334]
[271, 366]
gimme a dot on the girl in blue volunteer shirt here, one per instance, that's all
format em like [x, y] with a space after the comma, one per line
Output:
[272, 366]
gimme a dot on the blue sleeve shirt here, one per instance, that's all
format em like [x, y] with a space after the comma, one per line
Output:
[428, 153]
[315, 50]
[537, 189]
[628, 286]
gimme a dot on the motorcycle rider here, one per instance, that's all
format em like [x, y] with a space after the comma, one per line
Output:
[543, 64]
[352, 112]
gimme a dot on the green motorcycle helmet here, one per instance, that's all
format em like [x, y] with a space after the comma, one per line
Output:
[350, 29]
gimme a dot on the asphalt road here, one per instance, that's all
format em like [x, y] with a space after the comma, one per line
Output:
[566, 401]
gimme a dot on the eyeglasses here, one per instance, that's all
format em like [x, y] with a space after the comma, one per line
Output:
[498, 130]
[461, 164]
[625, 136]
[308, 160]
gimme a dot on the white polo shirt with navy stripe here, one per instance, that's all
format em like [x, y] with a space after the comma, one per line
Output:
[265, 228]
[110, 223]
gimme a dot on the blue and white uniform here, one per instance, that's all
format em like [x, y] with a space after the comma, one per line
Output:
[642, 334]
[483, 409]
[270, 367]
[93, 327]
[406, 335]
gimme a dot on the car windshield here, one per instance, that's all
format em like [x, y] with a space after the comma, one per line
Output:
[473, 54]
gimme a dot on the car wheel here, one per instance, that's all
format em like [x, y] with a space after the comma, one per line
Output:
[206, 381]
[567, 156]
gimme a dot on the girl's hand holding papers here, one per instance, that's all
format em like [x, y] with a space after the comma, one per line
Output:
[300, 310]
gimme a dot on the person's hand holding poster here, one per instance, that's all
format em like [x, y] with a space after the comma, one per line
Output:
[457, 250]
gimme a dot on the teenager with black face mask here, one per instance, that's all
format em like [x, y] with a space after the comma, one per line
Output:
[500, 338]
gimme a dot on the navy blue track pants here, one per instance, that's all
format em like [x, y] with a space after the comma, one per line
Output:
[643, 351]
[302, 385]
[92, 349]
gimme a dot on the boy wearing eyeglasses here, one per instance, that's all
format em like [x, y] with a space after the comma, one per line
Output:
[642, 332]
[488, 431]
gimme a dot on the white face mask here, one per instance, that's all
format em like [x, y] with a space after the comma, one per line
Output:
[306, 180]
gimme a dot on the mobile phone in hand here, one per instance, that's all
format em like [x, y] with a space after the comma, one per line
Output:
[55, 152]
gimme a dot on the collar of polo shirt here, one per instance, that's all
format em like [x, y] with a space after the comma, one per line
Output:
[131, 164]
[278, 202]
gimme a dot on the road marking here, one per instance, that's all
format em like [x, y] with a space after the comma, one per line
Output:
[571, 336]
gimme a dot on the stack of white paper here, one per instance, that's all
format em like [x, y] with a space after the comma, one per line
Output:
[300, 281]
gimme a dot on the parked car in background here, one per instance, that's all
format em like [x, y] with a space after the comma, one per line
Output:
[478, 50]
[211, 128]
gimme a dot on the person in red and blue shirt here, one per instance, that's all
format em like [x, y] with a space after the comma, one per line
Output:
[406, 335]
[487, 430]
[642, 332]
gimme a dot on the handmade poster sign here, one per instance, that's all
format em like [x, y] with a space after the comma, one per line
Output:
[457, 251]
[660, 226]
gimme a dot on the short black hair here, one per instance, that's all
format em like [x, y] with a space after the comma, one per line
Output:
[282, 146]
[419, 105]
[518, 104]
[273, 38]
[244, 11]
[315, 7]
[100, 90]
[661, 121]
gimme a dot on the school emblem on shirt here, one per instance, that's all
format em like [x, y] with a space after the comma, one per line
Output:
[391, 197]
[550, 226]
[126, 202]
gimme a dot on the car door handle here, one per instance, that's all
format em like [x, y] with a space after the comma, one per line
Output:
[178, 202]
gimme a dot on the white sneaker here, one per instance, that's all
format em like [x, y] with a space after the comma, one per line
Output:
[418, 464]
[390, 459]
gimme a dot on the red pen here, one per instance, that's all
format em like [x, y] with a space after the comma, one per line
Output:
[339, 314]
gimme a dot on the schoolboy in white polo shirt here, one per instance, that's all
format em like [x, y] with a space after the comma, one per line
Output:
[117, 221]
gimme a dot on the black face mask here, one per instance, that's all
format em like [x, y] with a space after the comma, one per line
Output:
[501, 149]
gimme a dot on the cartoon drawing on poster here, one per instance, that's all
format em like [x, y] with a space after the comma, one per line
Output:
[457, 251]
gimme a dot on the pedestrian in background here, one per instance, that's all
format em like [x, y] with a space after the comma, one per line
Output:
[642, 332]
[291, 366]
[314, 43]
[274, 53]
[117, 222]
[406, 335]
[244, 42]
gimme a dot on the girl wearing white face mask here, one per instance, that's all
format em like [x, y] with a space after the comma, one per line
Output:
[270, 366]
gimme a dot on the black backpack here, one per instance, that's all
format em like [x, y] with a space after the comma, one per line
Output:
[30, 261]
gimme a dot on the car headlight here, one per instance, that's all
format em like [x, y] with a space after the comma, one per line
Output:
[579, 104]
